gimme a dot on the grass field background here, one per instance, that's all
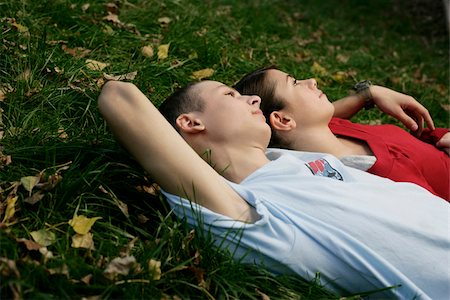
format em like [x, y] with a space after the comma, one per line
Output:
[79, 218]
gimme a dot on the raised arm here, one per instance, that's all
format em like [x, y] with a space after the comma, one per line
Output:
[400, 106]
[156, 145]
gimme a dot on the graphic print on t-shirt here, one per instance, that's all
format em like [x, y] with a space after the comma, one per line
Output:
[322, 167]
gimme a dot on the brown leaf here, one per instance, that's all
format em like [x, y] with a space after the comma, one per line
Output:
[127, 76]
[33, 199]
[86, 279]
[85, 7]
[83, 241]
[29, 244]
[62, 134]
[8, 266]
[142, 219]
[112, 8]
[164, 21]
[4, 90]
[201, 74]
[112, 17]
[147, 51]
[446, 107]
[61, 270]
[95, 65]
[25, 75]
[120, 266]
[77, 52]
[342, 58]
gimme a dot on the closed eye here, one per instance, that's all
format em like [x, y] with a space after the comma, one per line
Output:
[295, 81]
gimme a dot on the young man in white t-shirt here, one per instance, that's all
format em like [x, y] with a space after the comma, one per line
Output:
[293, 212]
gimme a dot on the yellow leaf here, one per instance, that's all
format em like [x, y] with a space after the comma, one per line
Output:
[154, 266]
[200, 74]
[82, 224]
[83, 241]
[95, 65]
[163, 51]
[318, 69]
[147, 51]
[29, 182]
[339, 76]
[43, 237]
[10, 208]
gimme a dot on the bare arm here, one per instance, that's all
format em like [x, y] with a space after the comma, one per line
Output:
[160, 150]
[400, 106]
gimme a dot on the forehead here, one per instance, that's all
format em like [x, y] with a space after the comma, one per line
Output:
[209, 86]
[278, 76]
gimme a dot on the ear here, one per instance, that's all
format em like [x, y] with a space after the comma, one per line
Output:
[281, 121]
[190, 123]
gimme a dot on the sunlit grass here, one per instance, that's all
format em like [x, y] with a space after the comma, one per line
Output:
[51, 128]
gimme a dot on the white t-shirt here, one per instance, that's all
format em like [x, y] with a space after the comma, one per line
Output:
[361, 232]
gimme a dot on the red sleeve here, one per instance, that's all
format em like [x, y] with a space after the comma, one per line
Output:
[432, 136]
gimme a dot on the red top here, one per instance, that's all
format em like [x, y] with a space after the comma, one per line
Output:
[401, 156]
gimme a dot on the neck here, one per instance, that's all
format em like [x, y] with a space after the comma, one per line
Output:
[320, 139]
[235, 163]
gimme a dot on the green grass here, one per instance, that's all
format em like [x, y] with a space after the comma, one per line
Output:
[49, 120]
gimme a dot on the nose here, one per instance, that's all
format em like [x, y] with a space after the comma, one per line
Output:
[312, 83]
[253, 100]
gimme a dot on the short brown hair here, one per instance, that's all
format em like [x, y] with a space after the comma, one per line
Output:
[183, 100]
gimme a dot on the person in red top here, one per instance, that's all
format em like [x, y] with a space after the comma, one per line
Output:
[303, 119]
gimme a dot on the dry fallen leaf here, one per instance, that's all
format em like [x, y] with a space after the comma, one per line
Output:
[5, 89]
[95, 65]
[82, 224]
[31, 245]
[318, 69]
[446, 107]
[120, 266]
[112, 8]
[154, 266]
[29, 182]
[340, 76]
[86, 279]
[61, 270]
[83, 241]
[164, 21]
[85, 7]
[62, 134]
[33, 199]
[77, 52]
[127, 76]
[147, 51]
[201, 74]
[163, 51]
[342, 58]
[10, 208]
[43, 237]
